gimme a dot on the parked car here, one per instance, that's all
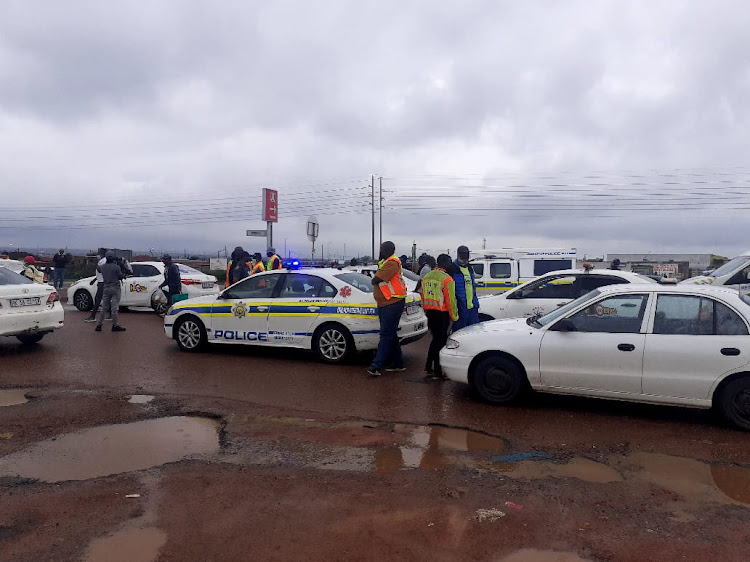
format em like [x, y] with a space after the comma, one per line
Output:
[142, 288]
[410, 278]
[329, 311]
[28, 310]
[686, 345]
[548, 292]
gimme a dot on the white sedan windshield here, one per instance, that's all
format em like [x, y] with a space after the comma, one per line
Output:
[563, 310]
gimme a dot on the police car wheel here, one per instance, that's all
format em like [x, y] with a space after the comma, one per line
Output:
[190, 334]
[82, 300]
[333, 343]
[497, 380]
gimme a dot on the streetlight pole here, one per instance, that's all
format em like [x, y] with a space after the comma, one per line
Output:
[372, 205]
[380, 208]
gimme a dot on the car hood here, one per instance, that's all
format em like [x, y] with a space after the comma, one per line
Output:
[84, 280]
[208, 299]
[505, 325]
[700, 280]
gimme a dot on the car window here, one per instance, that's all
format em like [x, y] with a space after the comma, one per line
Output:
[357, 280]
[545, 266]
[8, 277]
[621, 314]
[478, 269]
[551, 287]
[256, 287]
[499, 270]
[695, 316]
[300, 285]
[144, 270]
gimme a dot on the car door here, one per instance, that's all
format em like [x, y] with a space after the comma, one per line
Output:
[540, 296]
[599, 349]
[138, 288]
[693, 341]
[240, 313]
[298, 304]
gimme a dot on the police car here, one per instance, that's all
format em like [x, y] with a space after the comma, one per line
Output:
[329, 311]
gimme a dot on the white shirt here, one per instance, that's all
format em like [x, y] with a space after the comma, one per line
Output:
[99, 278]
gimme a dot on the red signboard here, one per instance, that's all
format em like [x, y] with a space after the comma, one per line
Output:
[270, 205]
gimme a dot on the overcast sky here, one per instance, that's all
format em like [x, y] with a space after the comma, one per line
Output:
[606, 126]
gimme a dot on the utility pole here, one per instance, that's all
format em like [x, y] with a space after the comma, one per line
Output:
[484, 243]
[381, 209]
[372, 201]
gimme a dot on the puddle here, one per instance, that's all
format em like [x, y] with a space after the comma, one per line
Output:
[14, 396]
[431, 448]
[578, 467]
[534, 555]
[733, 481]
[140, 399]
[113, 449]
[138, 539]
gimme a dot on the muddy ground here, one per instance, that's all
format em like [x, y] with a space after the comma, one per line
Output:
[240, 454]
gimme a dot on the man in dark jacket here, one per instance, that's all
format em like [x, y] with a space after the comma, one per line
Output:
[172, 281]
[60, 261]
[111, 276]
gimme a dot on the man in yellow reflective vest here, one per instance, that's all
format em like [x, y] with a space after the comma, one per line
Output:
[439, 302]
[257, 264]
[274, 261]
[389, 291]
[466, 291]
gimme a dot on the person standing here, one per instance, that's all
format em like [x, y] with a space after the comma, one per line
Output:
[466, 290]
[239, 269]
[236, 253]
[172, 279]
[99, 286]
[257, 264]
[274, 261]
[389, 290]
[30, 270]
[60, 261]
[615, 265]
[439, 302]
[112, 275]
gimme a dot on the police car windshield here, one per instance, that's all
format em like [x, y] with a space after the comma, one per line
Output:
[357, 280]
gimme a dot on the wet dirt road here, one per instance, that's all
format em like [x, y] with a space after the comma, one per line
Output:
[268, 454]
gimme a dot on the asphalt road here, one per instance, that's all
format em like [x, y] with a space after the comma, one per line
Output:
[599, 479]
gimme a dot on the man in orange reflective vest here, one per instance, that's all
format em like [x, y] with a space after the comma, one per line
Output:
[257, 264]
[274, 261]
[439, 302]
[390, 295]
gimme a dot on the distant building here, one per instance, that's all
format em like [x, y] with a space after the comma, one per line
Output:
[684, 265]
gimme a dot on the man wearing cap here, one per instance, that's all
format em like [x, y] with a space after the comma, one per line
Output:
[274, 261]
[172, 279]
[389, 290]
[112, 275]
[466, 291]
[60, 261]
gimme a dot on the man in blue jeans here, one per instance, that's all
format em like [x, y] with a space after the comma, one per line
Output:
[60, 261]
[389, 290]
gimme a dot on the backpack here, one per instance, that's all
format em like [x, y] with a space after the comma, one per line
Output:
[32, 273]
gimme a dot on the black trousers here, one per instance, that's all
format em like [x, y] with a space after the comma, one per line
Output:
[438, 322]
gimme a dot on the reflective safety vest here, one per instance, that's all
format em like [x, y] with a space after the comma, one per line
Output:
[274, 262]
[395, 286]
[439, 292]
[258, 268]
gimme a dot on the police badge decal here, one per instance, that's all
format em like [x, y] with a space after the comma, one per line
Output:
[240, 310]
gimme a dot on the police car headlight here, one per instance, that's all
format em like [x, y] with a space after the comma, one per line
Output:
[451, 344]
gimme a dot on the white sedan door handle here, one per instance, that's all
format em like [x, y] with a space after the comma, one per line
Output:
[313, 308]
[262, 308]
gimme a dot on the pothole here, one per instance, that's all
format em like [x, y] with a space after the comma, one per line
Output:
[114, 449]
[432, 447]
[14, 396]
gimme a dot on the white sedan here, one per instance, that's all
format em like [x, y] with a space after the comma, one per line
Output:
[142, 288]
[410, 278]
[329, 311]
[28, 310]
[662, 344]
[550, 291]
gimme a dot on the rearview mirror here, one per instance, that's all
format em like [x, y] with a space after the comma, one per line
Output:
[564, 325]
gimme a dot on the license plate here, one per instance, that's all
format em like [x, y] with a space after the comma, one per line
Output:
[29, 301]
[412, 308]
[208, 285]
